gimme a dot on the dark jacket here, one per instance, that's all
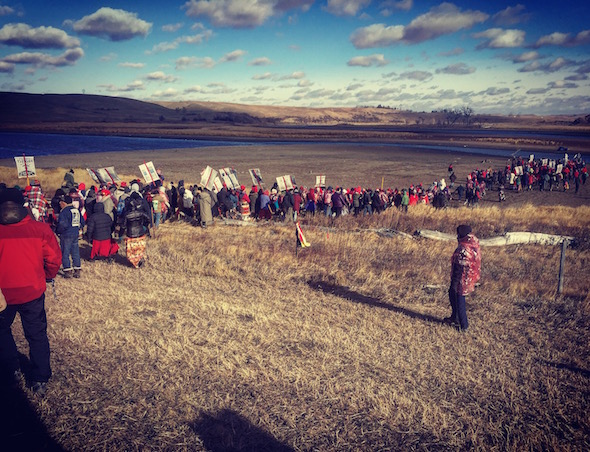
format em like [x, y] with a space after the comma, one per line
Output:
[100, 225]
[70, 222]
[135, 216]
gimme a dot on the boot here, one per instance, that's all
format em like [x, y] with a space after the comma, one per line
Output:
[76, 273]
[67, 273]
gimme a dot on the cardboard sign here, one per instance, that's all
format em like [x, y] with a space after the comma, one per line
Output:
[320, 181]
[285, 183]
[229, 177]
[217, 185]
[149, 173]
[25, 166]
[256, 176]
[208, 176]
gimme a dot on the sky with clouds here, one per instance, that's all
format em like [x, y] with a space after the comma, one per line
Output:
[494, 56]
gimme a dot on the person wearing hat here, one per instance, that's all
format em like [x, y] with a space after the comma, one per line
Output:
[29, 256]
[465, 272]
[69, 223]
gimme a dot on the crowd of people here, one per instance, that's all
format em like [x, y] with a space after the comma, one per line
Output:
[107, 214]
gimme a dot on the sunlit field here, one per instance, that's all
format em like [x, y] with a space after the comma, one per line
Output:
[227, 339]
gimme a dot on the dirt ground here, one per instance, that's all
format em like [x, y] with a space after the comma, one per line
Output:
[345, 165]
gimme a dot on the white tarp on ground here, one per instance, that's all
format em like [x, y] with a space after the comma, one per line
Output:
[510, 238]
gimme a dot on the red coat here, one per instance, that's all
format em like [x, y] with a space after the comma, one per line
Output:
[29, 254]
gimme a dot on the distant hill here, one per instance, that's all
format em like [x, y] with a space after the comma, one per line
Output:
[21, 109]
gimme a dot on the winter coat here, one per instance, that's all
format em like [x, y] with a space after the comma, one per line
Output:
[29, 254]
[205, 205]
[136, 217]
[100, 225]
[69, 222]
[465, 265]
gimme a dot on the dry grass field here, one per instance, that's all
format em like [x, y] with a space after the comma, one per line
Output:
[226, 340]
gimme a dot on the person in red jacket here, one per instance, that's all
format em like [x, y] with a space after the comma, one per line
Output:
[465, 272]
[29, 256]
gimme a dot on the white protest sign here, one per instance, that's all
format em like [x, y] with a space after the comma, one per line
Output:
[518, 170]
[565, 158]
[149, 173]
[544, 162]
[229, 176]
[217, 185]
[320, 181]
[93, 175]
[531, 157]
[559, 168]
[256, 176]
[442, 184]
[208, 176]
[25, 166]
[552, 164]
[285, 183]
[107, 175]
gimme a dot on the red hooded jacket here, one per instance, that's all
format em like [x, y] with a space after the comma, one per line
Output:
[29, 254]
[466, 265]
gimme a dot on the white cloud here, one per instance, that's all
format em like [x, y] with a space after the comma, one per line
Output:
[240, 13]
[172, 28]
[38, 59]
[293, 76]
[160, 77]
[526, 56]
[564, 39]
[265, 76]
[440, 20]
[456, 69]
[346, 7]
[234, 55]
[132, 65]
[262, 61]
[416, 75]
[553, 66]
[6, 67]
[511, 15]
[25, 36]
[199, 38]
[377, 59]
[493, 91]
[454, 52]
[498, 38]
[6, 10]
[114, 24]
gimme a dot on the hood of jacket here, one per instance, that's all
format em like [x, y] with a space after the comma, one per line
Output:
[12, 213]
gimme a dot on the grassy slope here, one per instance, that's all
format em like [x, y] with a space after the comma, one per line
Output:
[226, 339]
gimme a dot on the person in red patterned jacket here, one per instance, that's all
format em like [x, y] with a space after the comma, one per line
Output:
[29, 256]
[465, 272]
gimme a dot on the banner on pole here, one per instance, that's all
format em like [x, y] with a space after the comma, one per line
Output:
[93, 175]
[285, 183]
[229, 177]
[149, 173]
[208, 176]
[518, 170]
[25, 167]
[300, 237]
[256, 176]
[320, 181]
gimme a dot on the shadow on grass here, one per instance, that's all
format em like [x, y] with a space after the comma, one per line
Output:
[228, 431]
[578, 370]
[21, 429]
[344, 292]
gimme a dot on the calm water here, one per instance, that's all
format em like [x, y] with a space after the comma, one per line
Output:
[35, 144]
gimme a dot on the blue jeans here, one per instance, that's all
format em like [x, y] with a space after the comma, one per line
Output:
[459, 310]
[69, 246]
[157, 218]
[34, 321]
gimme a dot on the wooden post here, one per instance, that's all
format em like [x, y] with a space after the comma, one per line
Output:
[561, 267]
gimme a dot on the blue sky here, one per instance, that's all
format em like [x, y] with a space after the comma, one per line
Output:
[496, 57]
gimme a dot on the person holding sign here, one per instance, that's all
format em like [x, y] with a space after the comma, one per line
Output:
[29, 256]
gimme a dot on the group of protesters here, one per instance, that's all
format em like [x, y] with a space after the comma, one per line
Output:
[108, 213]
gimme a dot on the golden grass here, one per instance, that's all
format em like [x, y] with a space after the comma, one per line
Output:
[226, 339]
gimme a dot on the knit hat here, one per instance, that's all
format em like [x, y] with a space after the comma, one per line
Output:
[82, 186]
[135, 187]
[463, 230]
[11, 194]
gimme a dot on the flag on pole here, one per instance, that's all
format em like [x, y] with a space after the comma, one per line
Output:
[300, 237]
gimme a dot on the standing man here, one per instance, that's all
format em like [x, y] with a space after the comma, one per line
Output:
[69, 223]
[29, 255]
[465, 272]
